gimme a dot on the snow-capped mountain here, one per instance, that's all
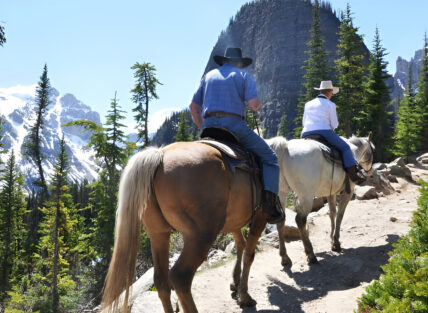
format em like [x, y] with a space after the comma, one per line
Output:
[18, 111]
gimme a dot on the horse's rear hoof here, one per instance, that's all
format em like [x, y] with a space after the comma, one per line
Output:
[286, 262]
[313, 261]
[336, 247]
[246, 301]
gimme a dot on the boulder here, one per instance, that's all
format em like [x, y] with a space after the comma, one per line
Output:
[380, 180]
[215, 256]
[149, 302]
[270, 239]
[400, 171]
[365, 192]
[423, 158]
[398, 168]
[230, 248]
[379, 166]
[399, 162]
[392, 178]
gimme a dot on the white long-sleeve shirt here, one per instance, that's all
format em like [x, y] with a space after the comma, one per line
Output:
[320, 113]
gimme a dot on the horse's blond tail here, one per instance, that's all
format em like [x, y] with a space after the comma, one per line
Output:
[134, 190]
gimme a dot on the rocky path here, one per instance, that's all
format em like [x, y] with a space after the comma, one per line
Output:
[369, 229]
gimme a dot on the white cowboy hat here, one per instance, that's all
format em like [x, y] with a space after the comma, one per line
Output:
[327, 84]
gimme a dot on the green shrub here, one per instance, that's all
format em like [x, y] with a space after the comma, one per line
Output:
[404, 285]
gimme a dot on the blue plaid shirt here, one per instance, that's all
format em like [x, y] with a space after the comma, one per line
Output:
[225, 89]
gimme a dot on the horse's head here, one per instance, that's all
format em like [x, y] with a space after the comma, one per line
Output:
[365, 152]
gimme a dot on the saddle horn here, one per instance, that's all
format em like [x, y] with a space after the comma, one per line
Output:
[369, 137]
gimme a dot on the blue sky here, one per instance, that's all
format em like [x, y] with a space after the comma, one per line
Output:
[90, 45]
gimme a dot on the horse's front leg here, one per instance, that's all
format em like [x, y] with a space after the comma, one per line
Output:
[285, 259]
[333, 214]
[343, 202]
[256, 229]
[240, 245]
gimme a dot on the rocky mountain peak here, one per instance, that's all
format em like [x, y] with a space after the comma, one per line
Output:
[17, 109]
[274, 33]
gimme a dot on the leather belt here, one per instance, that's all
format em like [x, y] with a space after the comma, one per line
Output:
[223, 114]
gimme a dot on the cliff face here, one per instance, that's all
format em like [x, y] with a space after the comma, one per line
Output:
[274, 34]
[401, 76]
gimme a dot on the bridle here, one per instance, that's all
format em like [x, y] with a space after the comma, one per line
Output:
[372, 155]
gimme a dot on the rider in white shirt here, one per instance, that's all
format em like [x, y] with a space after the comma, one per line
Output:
[320, 118]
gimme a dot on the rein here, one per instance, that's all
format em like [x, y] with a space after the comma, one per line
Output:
[255, 122]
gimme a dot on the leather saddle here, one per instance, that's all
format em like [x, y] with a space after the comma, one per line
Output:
[330, 152]
[228, 145]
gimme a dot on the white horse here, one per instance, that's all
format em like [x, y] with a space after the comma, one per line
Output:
[305, 170]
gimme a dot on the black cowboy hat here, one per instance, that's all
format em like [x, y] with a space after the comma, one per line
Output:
[233, 54]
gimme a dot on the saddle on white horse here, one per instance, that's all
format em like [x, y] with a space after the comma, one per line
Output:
[330, 152]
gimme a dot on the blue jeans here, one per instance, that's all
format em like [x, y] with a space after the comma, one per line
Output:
[254, 143]
[339, 143]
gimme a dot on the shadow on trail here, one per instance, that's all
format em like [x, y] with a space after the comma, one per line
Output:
[334, 272]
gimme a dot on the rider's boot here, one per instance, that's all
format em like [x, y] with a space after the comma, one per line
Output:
[355, 175]
[272, 208]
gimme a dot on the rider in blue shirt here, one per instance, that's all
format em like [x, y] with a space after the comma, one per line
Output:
[220, 101]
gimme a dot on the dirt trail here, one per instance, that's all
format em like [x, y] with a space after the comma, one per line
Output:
[369, 229]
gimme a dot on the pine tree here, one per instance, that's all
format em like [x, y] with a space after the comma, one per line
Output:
[49, 281]
[143, 92]
[316, 68]
[59, 184]
[12, 230]
[253, 120]
[32, 148]
[406, 132]
[284, 128]
[112, 151]
[350, 69]
[422, 98]
[182, 133]
[376, 99]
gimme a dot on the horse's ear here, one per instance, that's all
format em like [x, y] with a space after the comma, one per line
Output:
[369, 137]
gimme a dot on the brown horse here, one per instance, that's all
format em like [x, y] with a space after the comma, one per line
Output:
[187, 187]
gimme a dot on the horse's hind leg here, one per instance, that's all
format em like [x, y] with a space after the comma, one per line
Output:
[181, 275]
[159, 232]
[343, 202]
[160, 254]
[285, 259]
[303, 210]
[256, 229]
[240, 245]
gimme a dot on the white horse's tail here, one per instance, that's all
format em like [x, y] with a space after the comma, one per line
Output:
[280, 146]
[134, 191]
